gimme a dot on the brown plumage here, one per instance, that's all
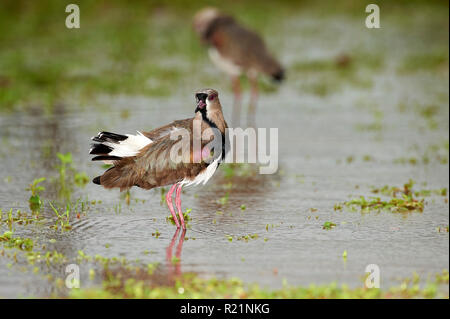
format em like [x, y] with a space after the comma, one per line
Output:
[236, 50]
[156, 158]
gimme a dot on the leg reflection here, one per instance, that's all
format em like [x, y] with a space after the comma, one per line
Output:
[174, 262]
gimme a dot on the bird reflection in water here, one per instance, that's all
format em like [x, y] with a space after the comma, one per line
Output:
[174, 262]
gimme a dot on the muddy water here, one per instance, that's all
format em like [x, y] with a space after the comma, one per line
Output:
[323, 139]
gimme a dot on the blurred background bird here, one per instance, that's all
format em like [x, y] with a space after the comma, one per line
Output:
[237, 50]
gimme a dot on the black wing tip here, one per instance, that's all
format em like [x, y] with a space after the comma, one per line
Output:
[100, 149]
[96, 180]
[106, 158]
[112, 136]
[278, 76]
[109, 137]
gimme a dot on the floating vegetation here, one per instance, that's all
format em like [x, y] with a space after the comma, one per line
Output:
[403, 199]
[49, 257]
[245, 238]
[156, 234]
[328, 225]
[407, 190]
[433, 153]
[443, 277]
[224, 199]
[408, 160]
[16, 242]
[19, 217]
[399, 205]
[140, 284]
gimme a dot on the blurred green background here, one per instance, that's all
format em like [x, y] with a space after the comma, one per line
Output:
[149, 48]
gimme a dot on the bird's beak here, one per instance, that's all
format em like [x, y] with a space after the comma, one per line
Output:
[201, 104]
[201, 100]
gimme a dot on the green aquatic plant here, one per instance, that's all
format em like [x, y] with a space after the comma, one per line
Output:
[402, 199]
[48, 257]
[443, 277]
[224, 199]
[16, 242]
[35, 201]
[65, 164]
[407, 190]
[328, 225]
[186, 217]
[19, 218]
[81, 179]
[398, 205]
[245, 238]
[68, 176]
[140, 284]
[156, 234]
[63, 218]
[248, 237]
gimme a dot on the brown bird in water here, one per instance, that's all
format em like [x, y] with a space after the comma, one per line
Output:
[152, 159]
[236, 50]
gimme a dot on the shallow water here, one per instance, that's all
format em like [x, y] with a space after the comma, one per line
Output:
[317, 134]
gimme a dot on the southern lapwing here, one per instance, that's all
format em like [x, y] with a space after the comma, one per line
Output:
[151, 159]
[236, 50]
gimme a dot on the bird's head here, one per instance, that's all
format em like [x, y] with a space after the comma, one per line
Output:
[207, 101]
[203, 19]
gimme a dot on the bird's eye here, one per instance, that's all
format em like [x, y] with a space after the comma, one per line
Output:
[211, 97]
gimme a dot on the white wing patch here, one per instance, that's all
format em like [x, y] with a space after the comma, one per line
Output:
[130, 146]
[223, 63]
[204, 176]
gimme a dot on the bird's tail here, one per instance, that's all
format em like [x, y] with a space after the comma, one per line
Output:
[278, 76]
[121, 175]
[117, 149]
[271, 67]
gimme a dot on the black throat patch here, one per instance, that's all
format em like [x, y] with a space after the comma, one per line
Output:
[213, 125]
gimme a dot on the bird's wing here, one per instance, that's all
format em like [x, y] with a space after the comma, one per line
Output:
[162, 162]
[167, 129]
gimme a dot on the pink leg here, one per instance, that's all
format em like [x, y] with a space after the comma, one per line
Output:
[178, 204]
[253, 100]
[235, 82]
[169, 203]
